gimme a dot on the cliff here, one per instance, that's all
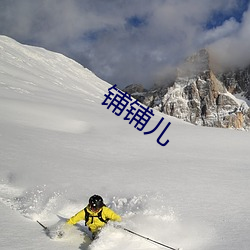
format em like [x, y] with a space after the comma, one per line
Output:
[201, 96]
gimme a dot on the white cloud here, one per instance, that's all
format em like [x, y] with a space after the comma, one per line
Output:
[233, 50]
[228, 28]
[97, 32]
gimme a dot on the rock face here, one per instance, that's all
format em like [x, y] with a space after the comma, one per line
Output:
[237, 81]
[201, 97]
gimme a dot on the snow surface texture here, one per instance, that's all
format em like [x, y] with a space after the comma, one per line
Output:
[59, 146]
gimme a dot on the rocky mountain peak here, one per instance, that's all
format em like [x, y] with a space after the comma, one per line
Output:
[200, 96]
[194, 65]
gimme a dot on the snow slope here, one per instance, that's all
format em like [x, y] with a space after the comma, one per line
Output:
[59, 146]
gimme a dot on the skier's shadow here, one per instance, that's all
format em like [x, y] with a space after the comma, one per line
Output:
[87, 237]
[84, 245]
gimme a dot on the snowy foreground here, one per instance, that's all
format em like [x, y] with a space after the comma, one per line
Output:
[59, 146]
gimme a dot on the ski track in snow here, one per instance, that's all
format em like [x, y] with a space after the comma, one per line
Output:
[145, 214]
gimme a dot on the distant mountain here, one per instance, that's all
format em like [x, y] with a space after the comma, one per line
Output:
[201, 95]
[237, 81]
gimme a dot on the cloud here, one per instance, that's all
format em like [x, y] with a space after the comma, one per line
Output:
[232, 50]
[228, 28]
[121, 41]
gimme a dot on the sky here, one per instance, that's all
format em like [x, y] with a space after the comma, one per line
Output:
[132, 41]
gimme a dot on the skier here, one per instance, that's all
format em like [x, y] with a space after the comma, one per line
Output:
[95, 214]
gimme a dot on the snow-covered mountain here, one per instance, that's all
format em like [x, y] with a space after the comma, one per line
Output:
[59, 145]
[237, 81]
[201, 96]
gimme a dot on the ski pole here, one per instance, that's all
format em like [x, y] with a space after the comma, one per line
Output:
[146, 238]
[45, 228]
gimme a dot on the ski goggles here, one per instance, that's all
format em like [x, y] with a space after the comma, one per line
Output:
[94, 208]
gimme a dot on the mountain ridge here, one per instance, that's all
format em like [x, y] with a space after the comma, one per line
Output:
[202, 96]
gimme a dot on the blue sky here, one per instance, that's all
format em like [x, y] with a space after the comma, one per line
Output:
[218, 17]
[131, 41]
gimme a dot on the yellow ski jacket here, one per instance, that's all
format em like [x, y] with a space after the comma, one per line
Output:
[94, 223]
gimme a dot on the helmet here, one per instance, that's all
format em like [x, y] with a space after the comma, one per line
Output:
[95, 202]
